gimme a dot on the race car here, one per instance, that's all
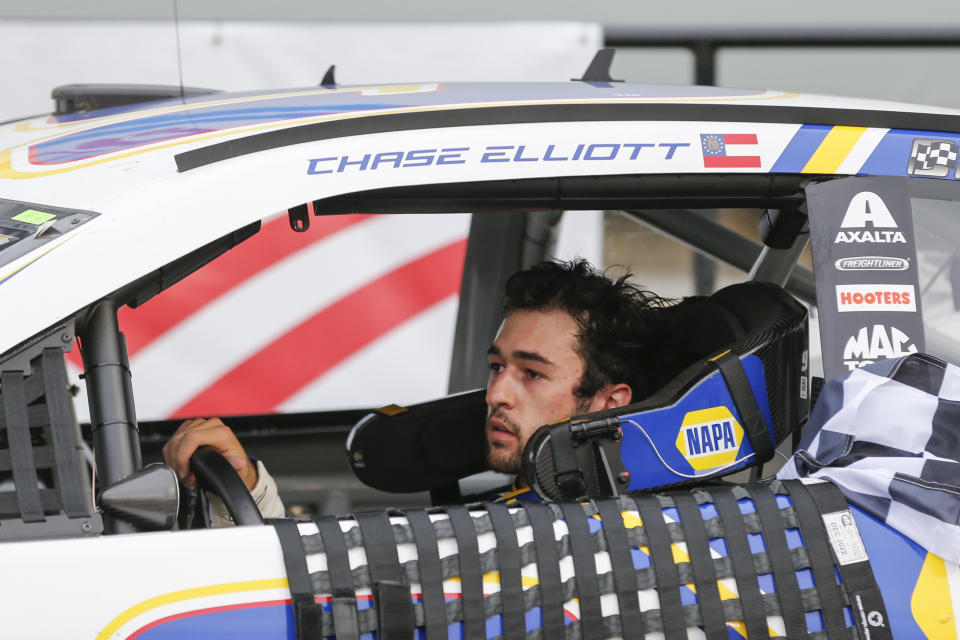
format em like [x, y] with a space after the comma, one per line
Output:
[103, 208]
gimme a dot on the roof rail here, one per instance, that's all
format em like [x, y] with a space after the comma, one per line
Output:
[71, 98]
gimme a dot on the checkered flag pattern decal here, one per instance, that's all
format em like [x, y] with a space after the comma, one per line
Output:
[889, 436]
[935, 158]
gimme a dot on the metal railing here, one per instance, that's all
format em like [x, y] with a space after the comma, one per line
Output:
[705, 43]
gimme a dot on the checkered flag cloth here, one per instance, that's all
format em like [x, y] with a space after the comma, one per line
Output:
[938, 154]
[889, 436]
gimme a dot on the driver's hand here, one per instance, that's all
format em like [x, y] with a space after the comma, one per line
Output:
[207, 431]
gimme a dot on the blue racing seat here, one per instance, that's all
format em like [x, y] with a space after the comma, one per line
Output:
[744, 393]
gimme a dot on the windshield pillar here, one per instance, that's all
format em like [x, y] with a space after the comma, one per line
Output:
[776, 265]
[116, 439]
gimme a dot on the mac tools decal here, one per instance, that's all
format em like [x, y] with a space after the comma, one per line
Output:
[865, 263]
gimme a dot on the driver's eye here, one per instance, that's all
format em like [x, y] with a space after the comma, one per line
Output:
[496, 367]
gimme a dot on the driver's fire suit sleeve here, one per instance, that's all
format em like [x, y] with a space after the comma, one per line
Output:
[264, 494]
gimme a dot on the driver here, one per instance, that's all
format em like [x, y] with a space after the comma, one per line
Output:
[572, 341]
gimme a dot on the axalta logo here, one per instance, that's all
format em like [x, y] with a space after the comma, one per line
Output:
[868, 212]
[872, 263]
[876, 343]
[709, 438]
[875, 297]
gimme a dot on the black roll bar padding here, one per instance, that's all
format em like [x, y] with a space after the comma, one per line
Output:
[215, 474]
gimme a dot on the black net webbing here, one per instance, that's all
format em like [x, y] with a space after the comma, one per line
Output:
[726, 576]
[40, 452]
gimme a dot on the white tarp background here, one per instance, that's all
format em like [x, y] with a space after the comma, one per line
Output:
[173, 373]
[236, 56]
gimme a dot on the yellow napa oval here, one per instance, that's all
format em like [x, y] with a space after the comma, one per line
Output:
[709, 438]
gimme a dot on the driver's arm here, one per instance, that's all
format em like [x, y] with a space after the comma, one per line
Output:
[264, 493]
[212, 432]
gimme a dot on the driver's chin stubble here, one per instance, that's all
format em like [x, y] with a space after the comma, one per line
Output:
[503, 461]
[500, 458]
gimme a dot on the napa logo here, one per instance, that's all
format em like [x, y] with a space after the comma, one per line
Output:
[709, 438]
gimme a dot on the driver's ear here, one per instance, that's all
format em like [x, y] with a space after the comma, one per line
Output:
[616, 395]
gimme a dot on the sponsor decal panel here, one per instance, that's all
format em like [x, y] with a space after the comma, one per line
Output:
[391, 159]
[875, 297]
[865, 264]
[870, 236]
[933, 158]
[709, 438]
[877, 342]
[868, 220]
[872, 263]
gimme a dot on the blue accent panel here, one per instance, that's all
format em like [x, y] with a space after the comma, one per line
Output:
[494, 626]
[892, 155]
[663, 426]
[640, 559]
[672, 513]
[252, 623]
[801, 148]
[746, 505]
[805, 578]
[765, 580]
[756, 542]
[794, 538]
[532, 619]
[720, 546]
[814, 621]
[708, 511]
[594, 524]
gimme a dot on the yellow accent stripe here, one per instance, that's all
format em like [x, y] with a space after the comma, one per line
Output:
[514, 493]
[187, 594]
[720, 355]
[931, 603]
[833, 150]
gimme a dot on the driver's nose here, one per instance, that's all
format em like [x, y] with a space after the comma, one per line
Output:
[501, 390]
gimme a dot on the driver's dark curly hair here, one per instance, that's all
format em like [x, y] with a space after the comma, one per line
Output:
[617, 319]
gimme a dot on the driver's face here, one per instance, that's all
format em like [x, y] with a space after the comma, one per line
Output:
[534, 368]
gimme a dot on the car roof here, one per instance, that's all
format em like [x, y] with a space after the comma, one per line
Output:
[113, 195]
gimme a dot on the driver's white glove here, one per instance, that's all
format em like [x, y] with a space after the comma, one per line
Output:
[264, 494]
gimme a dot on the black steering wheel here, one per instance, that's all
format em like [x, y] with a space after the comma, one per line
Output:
[215, 474]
